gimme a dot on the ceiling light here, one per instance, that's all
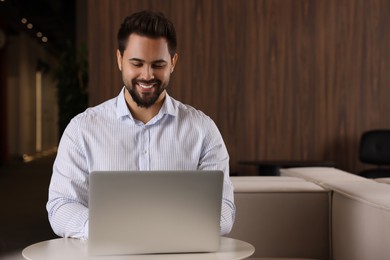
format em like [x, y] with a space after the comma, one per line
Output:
[44, 39]
[30, 26]
[23, 21]
[39, 34]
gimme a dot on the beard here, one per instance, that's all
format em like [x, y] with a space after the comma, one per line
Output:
[146, 99]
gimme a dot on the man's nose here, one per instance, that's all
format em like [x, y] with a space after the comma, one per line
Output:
[147, 73]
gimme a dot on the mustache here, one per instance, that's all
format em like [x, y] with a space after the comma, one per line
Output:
[146, 82]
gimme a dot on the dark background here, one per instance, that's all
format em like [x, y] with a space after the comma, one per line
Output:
[283, 79]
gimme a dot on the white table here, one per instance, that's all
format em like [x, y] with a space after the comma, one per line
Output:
[75, 249]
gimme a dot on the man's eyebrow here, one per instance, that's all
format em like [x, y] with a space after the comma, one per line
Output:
[141, 60]
[136, 59]
[160, 61]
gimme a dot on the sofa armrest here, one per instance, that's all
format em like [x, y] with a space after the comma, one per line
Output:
[282, 217]
[361, 221]
[323, 176]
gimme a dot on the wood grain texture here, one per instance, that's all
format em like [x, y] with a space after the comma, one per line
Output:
[282, 79]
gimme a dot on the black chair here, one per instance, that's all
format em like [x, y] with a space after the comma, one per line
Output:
[374, 148]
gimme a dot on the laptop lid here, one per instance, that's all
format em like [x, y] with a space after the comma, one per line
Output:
[154, 212]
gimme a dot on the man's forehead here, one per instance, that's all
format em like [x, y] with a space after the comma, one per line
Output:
[143, 47]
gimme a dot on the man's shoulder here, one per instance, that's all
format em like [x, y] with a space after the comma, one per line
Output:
[195, 120]
[103, 111]
[185, 110]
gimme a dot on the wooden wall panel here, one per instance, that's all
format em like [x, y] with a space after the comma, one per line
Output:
[283, 79]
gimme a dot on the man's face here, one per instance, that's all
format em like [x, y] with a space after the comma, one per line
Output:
[146, 66]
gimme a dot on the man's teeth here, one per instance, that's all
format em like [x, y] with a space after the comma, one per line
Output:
[145, 86]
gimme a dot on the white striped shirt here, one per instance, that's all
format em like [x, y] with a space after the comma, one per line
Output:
[107, 137]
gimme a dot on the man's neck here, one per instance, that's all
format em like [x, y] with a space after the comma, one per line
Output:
[141, 113]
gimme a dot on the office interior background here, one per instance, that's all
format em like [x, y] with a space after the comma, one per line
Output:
[283, 79]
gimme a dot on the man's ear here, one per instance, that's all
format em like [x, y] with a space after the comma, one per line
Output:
[174, 60]
[119, 59]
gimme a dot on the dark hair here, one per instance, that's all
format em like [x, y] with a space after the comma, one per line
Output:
[149, 24]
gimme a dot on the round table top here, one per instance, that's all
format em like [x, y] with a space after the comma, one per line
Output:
[75, 249]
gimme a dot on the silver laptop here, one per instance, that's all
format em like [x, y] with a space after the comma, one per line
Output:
[149, 212]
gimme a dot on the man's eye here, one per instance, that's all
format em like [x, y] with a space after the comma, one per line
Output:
[137, 64]
[158, 65]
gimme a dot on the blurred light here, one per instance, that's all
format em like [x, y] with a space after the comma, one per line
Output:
[31, 157]
[30, 26]
[38, 111]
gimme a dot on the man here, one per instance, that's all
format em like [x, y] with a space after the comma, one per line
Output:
[143, 128]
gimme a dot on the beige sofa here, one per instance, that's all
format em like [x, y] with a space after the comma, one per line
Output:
[313, 213]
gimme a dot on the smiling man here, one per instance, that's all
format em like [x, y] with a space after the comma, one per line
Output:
[143, 128]
[146, 65]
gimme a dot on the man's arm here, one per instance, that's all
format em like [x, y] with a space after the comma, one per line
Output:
[215, 157]
[67, 205]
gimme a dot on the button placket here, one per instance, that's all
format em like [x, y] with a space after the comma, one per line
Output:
[144, 145]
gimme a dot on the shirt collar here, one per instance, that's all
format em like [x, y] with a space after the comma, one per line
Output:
[121, 107]
[169, 107]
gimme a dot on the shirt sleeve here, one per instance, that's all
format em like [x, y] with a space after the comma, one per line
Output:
[67, 204]
[215, 157]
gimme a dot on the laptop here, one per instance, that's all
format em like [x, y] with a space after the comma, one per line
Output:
[149, 212]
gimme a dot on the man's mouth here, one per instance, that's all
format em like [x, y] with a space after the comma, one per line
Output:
[146, 86]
